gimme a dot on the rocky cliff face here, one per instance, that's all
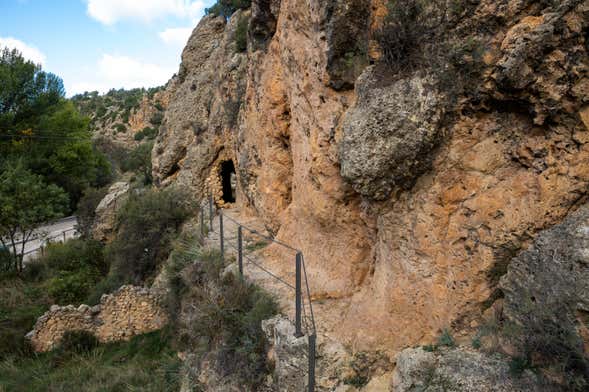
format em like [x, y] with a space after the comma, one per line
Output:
[408, 189]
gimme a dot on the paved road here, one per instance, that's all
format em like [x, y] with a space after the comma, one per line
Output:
[52, 232]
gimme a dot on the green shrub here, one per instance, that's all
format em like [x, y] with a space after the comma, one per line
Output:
[74, 269]
[147, 132]
[126, 115]
[139, 161]
[121, 128]
[139, 136]
[71, 287]
[76, 255]
[21, 303]
[241, 34]
[446, 339]
[101, 111]
[146, 225]
[226, 8]
[364, 366]
[228, 323]
[157, 118]
[78, 342]
[108, 285]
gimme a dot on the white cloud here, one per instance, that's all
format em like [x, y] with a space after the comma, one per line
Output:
[28, 52]
[111, 11]
[121, 72]
[176, 36]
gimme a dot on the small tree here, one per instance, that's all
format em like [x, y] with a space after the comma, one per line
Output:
[26, 202]
[139, 161]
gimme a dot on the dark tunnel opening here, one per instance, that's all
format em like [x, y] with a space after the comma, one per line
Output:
[229, 181]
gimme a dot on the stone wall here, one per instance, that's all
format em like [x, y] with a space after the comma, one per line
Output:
[128, 312]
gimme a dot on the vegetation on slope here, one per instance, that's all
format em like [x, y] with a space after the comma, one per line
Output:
[226, 8]
[146, 363]
[115, 105]
[226, 330]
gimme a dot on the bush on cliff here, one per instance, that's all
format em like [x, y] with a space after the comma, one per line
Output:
[226, 8]
[146, 226]
[226, 329]
[241, 34]
[139, 162]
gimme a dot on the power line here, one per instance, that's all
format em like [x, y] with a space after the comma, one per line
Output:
[43, 137]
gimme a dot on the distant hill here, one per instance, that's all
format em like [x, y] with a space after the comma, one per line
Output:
[124, 117]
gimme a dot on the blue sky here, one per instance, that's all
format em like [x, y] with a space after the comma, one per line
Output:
[102, 44]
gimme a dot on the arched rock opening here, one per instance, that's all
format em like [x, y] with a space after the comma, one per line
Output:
[228, 182]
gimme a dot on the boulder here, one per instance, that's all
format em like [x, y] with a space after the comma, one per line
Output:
[103, 228]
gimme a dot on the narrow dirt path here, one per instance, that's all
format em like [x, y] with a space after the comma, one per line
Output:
[272, 259]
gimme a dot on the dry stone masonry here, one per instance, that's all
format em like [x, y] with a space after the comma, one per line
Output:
[128, 312]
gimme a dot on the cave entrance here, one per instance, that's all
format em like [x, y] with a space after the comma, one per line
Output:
[229, 181]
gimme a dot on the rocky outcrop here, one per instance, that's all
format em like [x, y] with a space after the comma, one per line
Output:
[103, 228]
[459, 370]
[546, 288]
[288, 355]
[128, 312]
[205, 101]
[391, 130]
[410, 194]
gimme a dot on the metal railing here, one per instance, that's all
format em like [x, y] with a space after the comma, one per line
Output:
[304, 319]
[62, 236]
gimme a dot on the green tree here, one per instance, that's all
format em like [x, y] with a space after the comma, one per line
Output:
[44, 130]
[226, 8]
[26, 202]
[139, 161]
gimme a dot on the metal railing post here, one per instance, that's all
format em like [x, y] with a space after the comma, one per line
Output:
[202, 222]
[298, 304]
[64, 237]
[240, 250]
[312, 347]
[211, 212]
[221, 236]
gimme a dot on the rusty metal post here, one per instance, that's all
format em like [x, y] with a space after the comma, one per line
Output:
[221, 236]
[298, 302]
[240, 250]
[211, 211]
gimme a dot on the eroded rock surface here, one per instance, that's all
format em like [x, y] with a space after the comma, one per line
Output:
[547, 286]
[103, 228]
[408, 197]
[459, 370]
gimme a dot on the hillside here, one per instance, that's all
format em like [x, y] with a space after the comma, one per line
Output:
[125, 117]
